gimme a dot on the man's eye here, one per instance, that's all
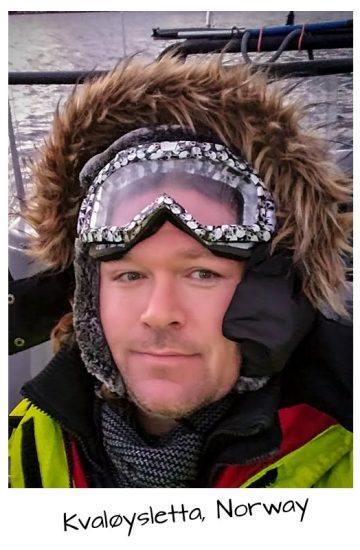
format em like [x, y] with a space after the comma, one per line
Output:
[204, 274]
[128, 277]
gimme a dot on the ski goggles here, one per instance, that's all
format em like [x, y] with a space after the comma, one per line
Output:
[201, 187]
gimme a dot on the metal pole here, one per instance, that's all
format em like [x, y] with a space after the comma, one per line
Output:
[208, 19]
[15, 160]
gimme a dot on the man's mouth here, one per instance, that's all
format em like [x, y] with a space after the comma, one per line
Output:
[166, 353]
[164, 357]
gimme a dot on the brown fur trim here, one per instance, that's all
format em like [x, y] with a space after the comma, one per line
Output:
[63, 332]
[108, 395]
[236, 105]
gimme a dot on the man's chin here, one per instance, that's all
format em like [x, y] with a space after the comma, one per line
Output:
[170, 405]
[164, 409]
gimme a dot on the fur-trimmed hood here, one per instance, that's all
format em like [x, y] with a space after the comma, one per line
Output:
[239, 108]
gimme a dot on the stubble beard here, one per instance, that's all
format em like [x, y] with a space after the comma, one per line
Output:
[170, 412]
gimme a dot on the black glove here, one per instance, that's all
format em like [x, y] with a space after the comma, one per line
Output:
[269, 314]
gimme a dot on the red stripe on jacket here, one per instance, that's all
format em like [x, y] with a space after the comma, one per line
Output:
[78, 474]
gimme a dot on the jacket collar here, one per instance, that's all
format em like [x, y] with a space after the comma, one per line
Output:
[249, 433]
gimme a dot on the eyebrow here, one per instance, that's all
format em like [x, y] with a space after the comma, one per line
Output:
[187, 254]
[192, 254]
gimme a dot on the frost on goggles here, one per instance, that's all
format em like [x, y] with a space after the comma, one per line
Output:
[201, 187]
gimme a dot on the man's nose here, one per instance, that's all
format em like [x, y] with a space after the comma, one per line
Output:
[164, 307]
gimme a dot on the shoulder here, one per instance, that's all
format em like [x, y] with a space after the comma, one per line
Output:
[37, 449]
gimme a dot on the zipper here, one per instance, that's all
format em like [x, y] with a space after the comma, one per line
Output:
[69, 460]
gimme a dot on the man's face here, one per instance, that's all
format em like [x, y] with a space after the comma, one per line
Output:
[162, 306]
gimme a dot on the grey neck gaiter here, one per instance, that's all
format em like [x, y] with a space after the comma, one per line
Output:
[145, 461]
